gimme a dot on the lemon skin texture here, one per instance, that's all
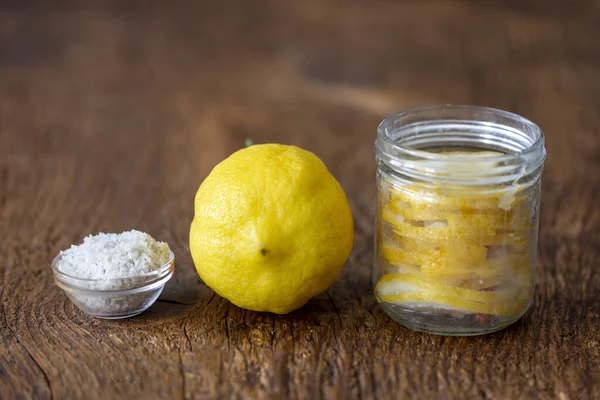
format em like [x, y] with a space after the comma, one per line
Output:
[272, 228]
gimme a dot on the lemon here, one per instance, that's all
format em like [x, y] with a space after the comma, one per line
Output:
[272, 228]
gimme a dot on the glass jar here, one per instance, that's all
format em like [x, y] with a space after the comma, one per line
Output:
[458, 193]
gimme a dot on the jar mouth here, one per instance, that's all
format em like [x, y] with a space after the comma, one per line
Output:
[461, 143]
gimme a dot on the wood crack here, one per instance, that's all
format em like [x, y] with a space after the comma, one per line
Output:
[187, 337]
[169, 301]
[209, 301]
[227, 326]
[293, 344]
[200, 333]
[272, 332]
[44, 374]
[337, 313]
[183, 383]
[13, 333]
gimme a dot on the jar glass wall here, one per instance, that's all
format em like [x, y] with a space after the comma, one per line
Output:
[457, 223]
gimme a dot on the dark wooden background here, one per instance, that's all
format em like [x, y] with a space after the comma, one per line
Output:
[112, 113]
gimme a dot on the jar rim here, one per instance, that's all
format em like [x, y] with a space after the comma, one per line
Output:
[520, 152]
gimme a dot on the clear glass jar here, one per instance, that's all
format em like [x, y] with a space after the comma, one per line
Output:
[458, 193]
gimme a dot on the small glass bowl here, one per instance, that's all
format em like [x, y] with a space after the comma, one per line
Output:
[114, 298]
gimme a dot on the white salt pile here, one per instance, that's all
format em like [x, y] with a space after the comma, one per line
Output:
[113, 273]
[114, 255]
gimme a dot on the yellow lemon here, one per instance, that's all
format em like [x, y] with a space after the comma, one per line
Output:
[272, 228]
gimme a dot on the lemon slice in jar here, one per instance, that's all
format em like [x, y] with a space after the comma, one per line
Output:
[435, 230]
[404, 289]
[440, 232]
[482, 199]
[447, 243]
[415, 299]
[400, 268]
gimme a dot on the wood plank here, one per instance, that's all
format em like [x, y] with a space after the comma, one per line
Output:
[112, 113]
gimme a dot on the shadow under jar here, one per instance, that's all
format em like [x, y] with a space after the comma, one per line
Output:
[458, 193]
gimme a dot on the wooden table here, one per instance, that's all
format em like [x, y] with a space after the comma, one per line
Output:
[112, 114]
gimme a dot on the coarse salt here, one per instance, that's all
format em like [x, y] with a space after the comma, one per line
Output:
[114, 255]
[111, 274]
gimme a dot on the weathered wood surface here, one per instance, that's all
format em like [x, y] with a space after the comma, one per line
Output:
[112, 114]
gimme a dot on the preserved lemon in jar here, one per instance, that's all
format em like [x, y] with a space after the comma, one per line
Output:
[458, 208]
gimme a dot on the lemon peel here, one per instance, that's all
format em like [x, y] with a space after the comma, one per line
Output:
[272, 228]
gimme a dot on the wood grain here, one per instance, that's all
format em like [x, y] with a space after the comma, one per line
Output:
[112, 113]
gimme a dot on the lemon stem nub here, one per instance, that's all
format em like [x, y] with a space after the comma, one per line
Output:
[264, 252]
